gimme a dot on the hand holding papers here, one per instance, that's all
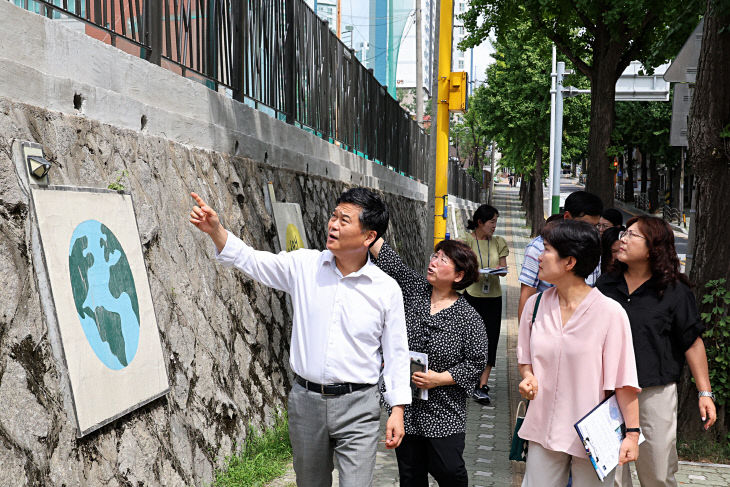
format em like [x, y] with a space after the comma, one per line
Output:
[496, 271]
[602, 431]
[419, 363]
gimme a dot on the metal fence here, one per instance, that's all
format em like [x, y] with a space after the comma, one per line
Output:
[276, 55]
[461, 183]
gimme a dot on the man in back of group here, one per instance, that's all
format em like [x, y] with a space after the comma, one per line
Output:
[348, 320]
[579, 205]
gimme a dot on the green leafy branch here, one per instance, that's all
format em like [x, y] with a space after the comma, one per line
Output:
[717, 337]
[117, 185]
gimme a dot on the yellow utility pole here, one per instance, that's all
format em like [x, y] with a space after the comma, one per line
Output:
[441, 202]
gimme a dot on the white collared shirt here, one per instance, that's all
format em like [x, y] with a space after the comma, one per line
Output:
[340, 324]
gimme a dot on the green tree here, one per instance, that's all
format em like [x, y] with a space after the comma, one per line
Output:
[709, 150]
[514, 110]
[469, 137]
[600, 38]
[645, 126]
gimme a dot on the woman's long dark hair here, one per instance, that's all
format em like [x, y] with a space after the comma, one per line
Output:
[663, 260]
[482, 214]
[609, 237]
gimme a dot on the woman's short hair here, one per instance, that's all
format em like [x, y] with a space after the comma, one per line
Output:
[482, 214]
[464, 260]
[663, 259]
[577, 239]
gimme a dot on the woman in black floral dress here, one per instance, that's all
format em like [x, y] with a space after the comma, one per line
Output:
[441, 324]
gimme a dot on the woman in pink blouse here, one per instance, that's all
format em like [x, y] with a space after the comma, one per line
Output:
[577, 350]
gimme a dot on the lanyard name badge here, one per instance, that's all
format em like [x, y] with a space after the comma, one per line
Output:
[485, 282]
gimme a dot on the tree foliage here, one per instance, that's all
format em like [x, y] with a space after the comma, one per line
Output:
[513, 109]
[600, 38]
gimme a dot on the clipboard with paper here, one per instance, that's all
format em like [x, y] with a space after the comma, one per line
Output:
[601, 431]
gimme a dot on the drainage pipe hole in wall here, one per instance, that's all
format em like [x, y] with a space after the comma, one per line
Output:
[79, 102]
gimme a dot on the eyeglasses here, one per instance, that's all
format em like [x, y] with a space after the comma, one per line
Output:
[440, 259]
[603, 226]
[629, 235]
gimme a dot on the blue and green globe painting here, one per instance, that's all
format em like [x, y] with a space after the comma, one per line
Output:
[104, 294]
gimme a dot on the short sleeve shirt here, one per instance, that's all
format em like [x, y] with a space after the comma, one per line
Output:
[574, 364]
[530, 265]
[663, 327]
[488, 253]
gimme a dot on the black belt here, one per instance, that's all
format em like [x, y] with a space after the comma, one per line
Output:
[330, 389]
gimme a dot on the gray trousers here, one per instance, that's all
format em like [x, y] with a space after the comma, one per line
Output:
[548, 468]
[346, 426]
[657, 463]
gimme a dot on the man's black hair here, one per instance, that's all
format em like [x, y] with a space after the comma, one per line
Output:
[374, 213]
[580, 203]
[577, 239]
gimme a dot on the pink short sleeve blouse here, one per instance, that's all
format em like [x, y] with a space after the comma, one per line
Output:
[574, 365]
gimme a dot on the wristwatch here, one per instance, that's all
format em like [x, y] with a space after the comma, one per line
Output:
[706, 394]
[633, 430]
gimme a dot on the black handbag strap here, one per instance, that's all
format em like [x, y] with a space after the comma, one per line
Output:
[534, 311]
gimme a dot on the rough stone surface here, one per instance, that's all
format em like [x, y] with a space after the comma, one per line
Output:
[225, 338]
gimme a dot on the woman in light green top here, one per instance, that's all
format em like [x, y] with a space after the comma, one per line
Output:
[485, 295]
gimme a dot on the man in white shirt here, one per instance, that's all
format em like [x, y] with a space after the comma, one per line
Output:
[348, 320]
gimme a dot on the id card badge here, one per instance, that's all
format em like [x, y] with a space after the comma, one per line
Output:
[485, 286]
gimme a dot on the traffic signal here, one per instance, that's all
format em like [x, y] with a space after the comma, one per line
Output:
[615, 162]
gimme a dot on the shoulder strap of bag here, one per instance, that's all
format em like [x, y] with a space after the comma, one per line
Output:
[534, 311]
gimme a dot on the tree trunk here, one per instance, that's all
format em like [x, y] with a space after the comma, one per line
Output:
[629, 184]
[710, 154]
[524, 191]
[603, 91]
[538, 220]
[643, 172]
[654, 186]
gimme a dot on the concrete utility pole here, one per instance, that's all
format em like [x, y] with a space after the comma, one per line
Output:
[419, 66]
[558, 137]
[547, 208]
[446, 14]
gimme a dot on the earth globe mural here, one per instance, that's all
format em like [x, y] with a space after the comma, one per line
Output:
[104, 294]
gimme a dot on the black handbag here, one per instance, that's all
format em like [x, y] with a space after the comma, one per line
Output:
[518, 449]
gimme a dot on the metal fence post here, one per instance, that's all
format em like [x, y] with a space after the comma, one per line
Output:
[153, 17]
[289, 56]
[237, 51]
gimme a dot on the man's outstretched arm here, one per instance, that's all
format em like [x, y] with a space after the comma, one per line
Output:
[206, 219]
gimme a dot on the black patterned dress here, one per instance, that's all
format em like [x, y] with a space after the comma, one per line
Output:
[454, 339]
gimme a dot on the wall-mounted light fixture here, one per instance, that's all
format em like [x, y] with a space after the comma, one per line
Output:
[37, 165]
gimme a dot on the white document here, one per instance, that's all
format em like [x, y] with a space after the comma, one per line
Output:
[497, 271]
[419, 363]
[601, 432]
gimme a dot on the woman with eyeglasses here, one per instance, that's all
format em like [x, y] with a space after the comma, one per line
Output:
[485, 295]
[442, 325]
[666, 327]
[576, 350]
